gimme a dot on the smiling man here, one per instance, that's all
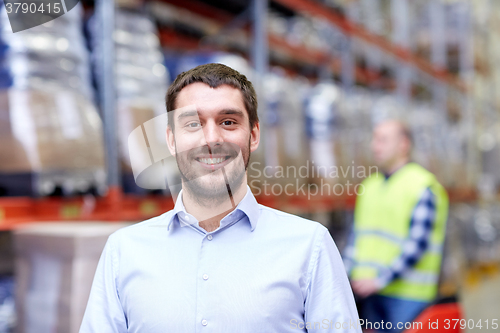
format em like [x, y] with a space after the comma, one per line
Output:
[219, 261]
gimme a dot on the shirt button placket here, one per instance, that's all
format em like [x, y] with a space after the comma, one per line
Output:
[203, 286]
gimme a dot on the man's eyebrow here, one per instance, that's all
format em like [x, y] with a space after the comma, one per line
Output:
[193, 113]
[232, 111]
[187, 114]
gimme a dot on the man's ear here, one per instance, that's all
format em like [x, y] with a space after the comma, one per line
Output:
[170, 140]
[255, 137]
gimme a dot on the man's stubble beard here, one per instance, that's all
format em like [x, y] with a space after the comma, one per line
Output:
[224, 182]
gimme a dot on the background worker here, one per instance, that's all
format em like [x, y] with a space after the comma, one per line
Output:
[395, 254]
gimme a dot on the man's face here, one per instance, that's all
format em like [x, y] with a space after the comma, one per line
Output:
[387, 144]
[212, 139]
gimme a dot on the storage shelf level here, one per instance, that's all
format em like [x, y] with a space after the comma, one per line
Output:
[117, 206]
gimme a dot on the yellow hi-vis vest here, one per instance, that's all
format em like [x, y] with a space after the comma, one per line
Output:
[382, 220]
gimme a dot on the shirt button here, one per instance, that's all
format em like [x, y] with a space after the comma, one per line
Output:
[204, 322]
[186, 217]
[205, 277]
[209, 237]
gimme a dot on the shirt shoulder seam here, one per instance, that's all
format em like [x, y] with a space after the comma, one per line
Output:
[318, 235]
[114, 260]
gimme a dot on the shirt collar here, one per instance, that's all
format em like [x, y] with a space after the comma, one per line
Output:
[387, 175]
[248, 205]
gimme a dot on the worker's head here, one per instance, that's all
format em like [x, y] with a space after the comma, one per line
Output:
[212, 129]
[391, 144]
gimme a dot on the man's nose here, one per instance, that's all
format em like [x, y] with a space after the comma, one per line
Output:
[212, 133]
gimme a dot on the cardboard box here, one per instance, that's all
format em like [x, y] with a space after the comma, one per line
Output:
[55, 266]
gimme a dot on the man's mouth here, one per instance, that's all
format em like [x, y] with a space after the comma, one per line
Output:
[214, 160]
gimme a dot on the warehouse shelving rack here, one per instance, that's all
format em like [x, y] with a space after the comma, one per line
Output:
[117, 206]
[277, 44]
[350, 28]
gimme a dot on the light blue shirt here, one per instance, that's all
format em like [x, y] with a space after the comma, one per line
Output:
[261, 271]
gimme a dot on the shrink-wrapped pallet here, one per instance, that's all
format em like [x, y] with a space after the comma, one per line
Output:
[55, 134]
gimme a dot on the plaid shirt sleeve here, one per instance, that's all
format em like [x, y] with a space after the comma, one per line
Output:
[348, 252]
[414, 246]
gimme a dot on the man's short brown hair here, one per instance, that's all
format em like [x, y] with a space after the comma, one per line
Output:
[214, 75]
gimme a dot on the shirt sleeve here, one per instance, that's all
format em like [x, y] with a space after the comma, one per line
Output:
[329, 304]
[104, 312]
[416, 243]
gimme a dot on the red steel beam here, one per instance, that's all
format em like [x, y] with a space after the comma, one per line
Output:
[127, 207]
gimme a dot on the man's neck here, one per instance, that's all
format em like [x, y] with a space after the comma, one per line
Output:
[396, 166]
[209, 216]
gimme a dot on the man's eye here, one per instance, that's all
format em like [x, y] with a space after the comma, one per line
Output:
[193, 125]
[228, 122]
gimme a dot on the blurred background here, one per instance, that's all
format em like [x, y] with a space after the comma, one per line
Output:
[75, 88]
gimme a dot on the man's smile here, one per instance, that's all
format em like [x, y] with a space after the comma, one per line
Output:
[213, 162]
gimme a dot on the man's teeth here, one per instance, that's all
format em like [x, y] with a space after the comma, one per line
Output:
[212, 160]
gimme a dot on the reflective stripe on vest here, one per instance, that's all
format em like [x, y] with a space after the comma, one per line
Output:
[409, 275]
[432, 247]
